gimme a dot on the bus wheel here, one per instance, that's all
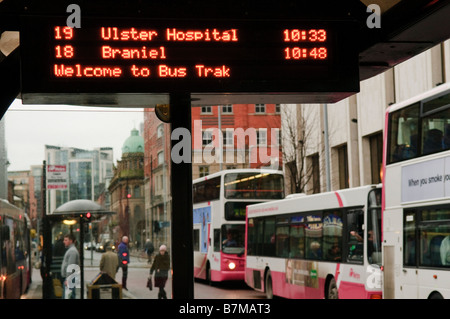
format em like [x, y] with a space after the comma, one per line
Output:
[268, 285]
[435, 295]
[332, 291]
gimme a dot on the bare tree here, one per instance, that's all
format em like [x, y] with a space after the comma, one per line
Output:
[298, 128]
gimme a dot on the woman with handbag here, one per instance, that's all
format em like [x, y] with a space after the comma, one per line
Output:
[161, 267]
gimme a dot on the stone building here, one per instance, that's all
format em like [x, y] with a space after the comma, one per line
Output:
[127, 192]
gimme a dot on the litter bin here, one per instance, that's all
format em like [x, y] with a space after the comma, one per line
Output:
[104, 287]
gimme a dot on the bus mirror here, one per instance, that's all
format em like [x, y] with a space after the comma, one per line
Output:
[4, 230]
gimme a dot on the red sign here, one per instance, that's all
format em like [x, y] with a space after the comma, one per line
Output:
[57, 177]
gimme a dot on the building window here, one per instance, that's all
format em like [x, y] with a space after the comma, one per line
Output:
[315, 173]
[137, 192]
[261, 137]
[276, 137]
[228, 137]
[376, 156]
[160, 130]
[206, 110]
[343, 167]
[160, 158]
[227, 109]
[206, 138]
[203, 170]
[277, 108]
[260, 108]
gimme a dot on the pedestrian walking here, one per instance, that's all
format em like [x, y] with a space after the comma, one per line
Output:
[124, 259]
[70, 265]
[161, 267]
[109, 263]
[149, 249]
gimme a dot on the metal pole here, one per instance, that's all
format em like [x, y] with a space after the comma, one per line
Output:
[181, 186]
[82, 229]
[46, 238]
[219, 111]
[327, 146]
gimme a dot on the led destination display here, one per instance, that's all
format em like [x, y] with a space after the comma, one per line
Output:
[213, 57]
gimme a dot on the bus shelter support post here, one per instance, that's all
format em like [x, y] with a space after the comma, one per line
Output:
[47, 284]
[181, 186]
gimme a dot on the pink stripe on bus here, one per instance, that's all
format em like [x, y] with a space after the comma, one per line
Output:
[339, 199]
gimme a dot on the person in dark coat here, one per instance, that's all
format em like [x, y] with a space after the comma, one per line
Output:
[124, 259]
[161, 267]
[149, 249]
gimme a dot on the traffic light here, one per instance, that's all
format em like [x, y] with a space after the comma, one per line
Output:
[86, 221]
[86, 217]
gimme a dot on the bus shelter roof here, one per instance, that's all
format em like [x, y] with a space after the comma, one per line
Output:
[80, 206]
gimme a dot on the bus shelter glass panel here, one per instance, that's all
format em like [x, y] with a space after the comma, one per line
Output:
[68, 286]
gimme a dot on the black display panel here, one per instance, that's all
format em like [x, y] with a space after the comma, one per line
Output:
[210, 57]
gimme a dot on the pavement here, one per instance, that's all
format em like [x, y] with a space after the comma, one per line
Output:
[137, 278]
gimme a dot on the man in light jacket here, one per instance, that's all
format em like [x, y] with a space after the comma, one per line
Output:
[70, 265]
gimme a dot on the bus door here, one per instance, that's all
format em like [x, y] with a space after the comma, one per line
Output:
[393, 276]
[4, 239]
[426, 243]
[263, 247]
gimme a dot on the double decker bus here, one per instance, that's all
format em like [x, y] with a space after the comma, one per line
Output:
[15, 257]
[220, 202]
[325, 245]
[416, 197]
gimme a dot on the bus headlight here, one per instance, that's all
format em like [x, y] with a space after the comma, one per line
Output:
[231, 265]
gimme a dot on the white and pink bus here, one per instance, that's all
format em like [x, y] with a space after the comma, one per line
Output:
[325, 245]
[416, 197]
[220, 202]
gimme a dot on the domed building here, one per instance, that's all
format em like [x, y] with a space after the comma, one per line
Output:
[127, 191]
[133, 144]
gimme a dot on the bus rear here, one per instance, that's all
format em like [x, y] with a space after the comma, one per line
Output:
[317, 246]
[220, 202]
[416, 193]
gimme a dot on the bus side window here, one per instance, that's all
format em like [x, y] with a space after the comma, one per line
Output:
[403, 139]
[269, 237]
[196, 240]
[217, 239]
[355, 242]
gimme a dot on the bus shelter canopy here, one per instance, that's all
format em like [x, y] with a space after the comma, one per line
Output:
[80, 206]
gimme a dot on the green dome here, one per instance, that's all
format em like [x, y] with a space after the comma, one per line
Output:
[134, 143]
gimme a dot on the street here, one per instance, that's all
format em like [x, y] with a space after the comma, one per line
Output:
[138, 272]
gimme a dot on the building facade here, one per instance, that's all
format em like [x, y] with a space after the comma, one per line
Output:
[126, 189]
[247, 134]
[355, 126]
[158, 200]
[87, 172]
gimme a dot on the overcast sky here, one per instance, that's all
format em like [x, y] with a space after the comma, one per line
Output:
[29, 127]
